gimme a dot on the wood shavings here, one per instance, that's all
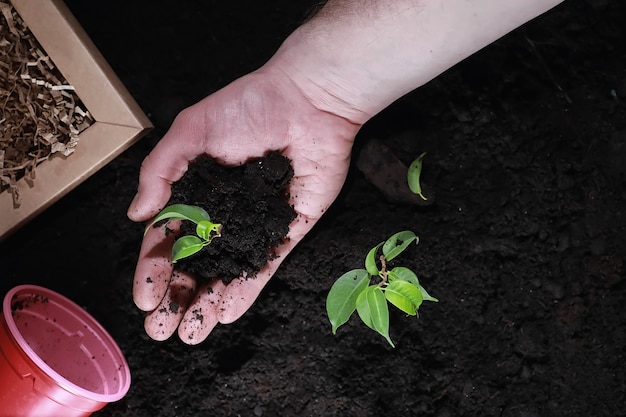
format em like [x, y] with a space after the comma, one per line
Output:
[40, 114]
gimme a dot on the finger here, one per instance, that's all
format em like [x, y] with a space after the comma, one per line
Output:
[201, 317]
[154, 266]
[241, 293]
[161, 323]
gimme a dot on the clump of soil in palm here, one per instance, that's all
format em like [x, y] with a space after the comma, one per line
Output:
[250, 201]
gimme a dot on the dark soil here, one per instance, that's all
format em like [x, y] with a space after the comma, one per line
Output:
[249, 201]
[524, 245]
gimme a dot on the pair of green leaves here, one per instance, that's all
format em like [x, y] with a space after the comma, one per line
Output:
[399, 286]
[206, 230]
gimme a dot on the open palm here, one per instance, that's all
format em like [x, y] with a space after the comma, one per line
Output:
[261, 112]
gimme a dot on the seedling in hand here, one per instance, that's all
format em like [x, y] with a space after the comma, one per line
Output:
[368, 290]
[206, 230]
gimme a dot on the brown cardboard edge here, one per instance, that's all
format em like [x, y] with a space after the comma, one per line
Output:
[120, 122]
[57, 177]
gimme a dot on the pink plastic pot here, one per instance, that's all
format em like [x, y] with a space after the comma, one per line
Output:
[55, 359]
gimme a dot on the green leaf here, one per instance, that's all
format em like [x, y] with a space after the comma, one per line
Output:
[404, 274]
[372, 309]
[180, 212]
[413, 176]
[370, 260]
[186, 246]
[397, 243]
[404, 295]
[426, 296]
[208, 230]
[341, 299]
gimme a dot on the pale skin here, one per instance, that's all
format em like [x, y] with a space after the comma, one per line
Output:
[329, 77]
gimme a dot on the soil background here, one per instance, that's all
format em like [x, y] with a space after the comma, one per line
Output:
[524, 245]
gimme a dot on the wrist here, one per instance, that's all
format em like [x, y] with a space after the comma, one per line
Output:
[328, 79]
[356, 57]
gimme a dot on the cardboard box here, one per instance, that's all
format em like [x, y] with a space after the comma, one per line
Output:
[119, 121]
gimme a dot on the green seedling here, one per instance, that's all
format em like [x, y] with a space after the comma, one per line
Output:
[206, 230]
[369, 290]
[413, 176]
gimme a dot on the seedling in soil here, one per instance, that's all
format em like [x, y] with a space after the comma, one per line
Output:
[206, 230]
[413, 176]
[369, 290]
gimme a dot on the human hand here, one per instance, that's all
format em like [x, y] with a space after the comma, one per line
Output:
[260, 112]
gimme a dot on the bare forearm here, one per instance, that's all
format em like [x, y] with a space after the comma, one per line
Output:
[355, 57]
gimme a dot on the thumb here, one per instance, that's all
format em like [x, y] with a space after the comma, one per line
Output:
[158, 172]
[166, 164]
